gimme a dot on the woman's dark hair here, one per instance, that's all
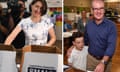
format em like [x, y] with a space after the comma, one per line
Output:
[77, 35]
[43, 10]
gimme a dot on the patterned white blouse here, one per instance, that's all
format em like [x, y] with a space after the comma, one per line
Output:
[36, 33]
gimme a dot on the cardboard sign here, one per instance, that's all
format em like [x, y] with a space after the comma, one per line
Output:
[42, 62]
[7, 61]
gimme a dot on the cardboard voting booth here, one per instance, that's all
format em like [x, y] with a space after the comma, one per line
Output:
[41, 59]
[7, 58]
[6, 47]
[42, 62]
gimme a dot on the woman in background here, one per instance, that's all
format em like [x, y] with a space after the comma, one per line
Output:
[82, 22]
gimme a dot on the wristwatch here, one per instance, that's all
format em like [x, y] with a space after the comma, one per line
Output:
[104, 62]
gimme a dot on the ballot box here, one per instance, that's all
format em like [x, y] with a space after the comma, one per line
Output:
[37, 58]
[7, 58]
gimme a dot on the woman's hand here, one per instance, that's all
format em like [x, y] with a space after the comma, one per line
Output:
[13, 35]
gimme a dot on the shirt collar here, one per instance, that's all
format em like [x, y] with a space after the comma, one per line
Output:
[103, 21]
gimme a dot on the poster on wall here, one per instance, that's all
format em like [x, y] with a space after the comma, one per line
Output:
[55, 14]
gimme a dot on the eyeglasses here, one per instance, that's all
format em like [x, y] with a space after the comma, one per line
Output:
[96, 9]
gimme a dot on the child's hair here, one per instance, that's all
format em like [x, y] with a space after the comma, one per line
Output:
[77, 35]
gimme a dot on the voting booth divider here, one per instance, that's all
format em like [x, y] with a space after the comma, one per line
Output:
[35, 58]
[41, 59]
[7, 58]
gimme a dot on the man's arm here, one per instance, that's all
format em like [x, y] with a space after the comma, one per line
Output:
[3, 29]
[69, 51]
[70, 60]
[112, 37]
[110, 49]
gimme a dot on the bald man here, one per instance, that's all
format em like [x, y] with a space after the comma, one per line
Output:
[100, 35]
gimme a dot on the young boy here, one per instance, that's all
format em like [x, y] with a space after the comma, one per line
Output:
[77, 58]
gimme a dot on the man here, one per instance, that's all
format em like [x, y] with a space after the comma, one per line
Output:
[77, 16]
[19, 41]
[3, 26]
[23, 13]
[100, 35]
[6, 25]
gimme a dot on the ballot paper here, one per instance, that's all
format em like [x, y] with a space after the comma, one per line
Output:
[7, 61]
[42, 62]
[65, 67]
[89, 71]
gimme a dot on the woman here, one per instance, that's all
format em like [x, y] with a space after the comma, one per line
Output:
[36, 27]
[82, 21]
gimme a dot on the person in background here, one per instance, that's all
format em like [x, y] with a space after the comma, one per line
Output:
[3, 29]
[22, 12]
[100, 35]
[5, 25]
[116, 12]
[36, 27]
[77, 58]
[74, 28]
[53, 18]
[17, 15]
[77, 17]
[67, 27]
[82, 21]
[90, 16]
